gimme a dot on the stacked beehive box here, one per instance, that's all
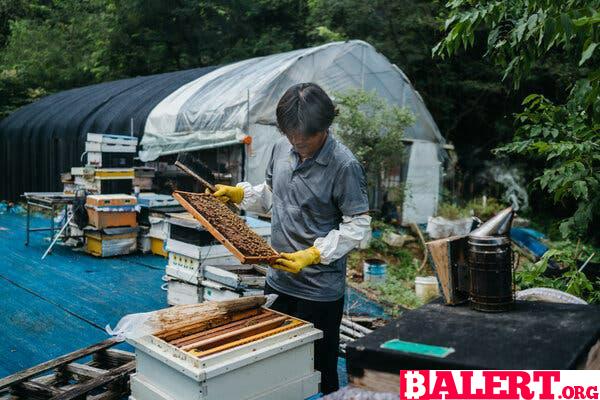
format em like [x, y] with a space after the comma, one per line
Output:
[109, 167]
[110, 151]
[200, 268]
[143, 179]
[226, 350]
[153, 208]
[113, 227]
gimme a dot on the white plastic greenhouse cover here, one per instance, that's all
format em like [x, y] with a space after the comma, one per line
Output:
[220, 107]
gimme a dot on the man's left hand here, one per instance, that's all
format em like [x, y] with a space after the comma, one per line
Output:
[294, 262]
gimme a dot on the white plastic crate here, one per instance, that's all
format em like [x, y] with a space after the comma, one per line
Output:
[158, 228]
[303, 386]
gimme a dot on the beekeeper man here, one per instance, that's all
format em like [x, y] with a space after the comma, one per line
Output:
[317, 193]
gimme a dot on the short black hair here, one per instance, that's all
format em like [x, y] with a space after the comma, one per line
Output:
[306, 109]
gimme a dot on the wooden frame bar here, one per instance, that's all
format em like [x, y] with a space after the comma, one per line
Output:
[219, 236]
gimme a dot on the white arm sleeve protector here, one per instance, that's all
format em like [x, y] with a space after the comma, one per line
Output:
[257, 198]
[353, 232]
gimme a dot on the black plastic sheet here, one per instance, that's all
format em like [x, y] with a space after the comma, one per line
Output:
[47, 137]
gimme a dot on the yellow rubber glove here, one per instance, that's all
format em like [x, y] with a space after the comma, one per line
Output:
[226, 193]
[294, 262]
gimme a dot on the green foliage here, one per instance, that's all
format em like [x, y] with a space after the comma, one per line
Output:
[477, 207]
[372, 130]
[522, 32]
[485, 210]
[572, 281]
[399, 286]
[564, 136]
[463, 95]
[398, 290]
[65, 47]
[48, 46]
[452, 211]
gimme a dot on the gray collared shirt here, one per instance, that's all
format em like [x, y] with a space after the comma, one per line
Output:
[309, 200]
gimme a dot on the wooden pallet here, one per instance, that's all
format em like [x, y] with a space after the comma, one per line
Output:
[104, 377]
[244, 259]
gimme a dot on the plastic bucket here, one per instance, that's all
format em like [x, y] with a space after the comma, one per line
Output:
[374, 270]
[426, 288]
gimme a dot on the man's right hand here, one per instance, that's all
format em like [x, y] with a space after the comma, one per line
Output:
[229, 193]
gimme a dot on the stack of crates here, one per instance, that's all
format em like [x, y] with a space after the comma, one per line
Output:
[113, 227]
[109, 167]
[193, 252]
[153, 208]
[110, 151]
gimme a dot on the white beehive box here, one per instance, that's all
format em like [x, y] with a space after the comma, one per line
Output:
[237, 276]
[214, 254]
[95, 147]
[184, 268]
[181, 293]
[214, 291]
[106, 143]
[276, 367]
[112, 139]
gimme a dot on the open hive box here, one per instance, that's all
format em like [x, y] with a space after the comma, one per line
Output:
[225, 350]
[227, 227]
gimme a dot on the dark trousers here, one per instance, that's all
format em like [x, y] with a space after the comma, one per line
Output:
[324, 315]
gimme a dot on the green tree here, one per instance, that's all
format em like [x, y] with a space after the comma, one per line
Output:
[373, 130]
[56, 47]
[464, 94]
[154, 36]
[565, 136]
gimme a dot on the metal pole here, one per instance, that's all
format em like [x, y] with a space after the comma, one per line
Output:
[57, 236]
[27, 234]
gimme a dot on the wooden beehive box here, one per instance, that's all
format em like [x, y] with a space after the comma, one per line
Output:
[227, 227]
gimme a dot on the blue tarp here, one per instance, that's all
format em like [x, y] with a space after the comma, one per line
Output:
[63, 303]
[529, 239]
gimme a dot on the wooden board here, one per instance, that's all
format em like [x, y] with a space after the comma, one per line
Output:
[292, 323]
[244, 259]
[447, 257]
[226, 331]
[376, 381]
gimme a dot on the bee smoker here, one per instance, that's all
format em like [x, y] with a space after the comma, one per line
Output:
[477, 267]
[489, 263]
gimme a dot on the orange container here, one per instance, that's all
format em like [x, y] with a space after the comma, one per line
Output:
[110, 219]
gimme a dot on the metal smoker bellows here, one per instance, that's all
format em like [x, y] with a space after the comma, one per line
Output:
[490, 264]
